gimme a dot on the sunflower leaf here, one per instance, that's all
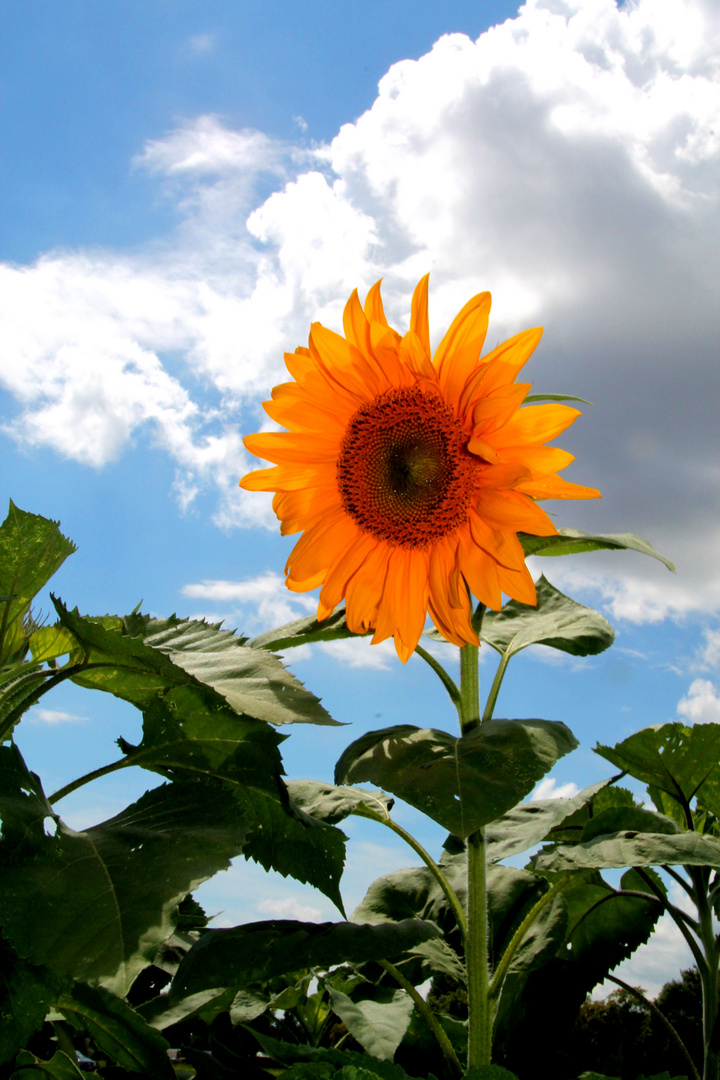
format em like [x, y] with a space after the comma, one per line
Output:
[27, 994]
[32, 548]
[118, 1030]
[631, 848]
[331, 804]
[97, 904]
[460, 783]
[556, 621]
[556, 397]
[137, 658]
[679, 760]
[257, 952]
[529, 823]
[378, 1025]
[304, 632]
[573, 542]
[185, 743]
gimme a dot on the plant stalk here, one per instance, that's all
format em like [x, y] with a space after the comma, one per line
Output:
[708, 976]
[427, 1014]
[480, 1006]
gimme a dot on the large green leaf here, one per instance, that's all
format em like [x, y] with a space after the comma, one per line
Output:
[27, 994]
[59, 1067]
[304, 632]
[31, 550]
[573, 542]
[632, 849]
[260, 951]
[97, 904]
[329, 803]
[378, 1024]
[290, 1053]
[556, 621]
[460, 783]
[137, 658]
[681, 761]
[118, 1030]
[184, 743]
[529, 823]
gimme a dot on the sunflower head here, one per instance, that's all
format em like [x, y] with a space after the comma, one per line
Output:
[410, 475]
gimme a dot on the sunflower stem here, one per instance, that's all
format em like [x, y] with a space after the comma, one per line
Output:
[445, 679]
[480, 1008]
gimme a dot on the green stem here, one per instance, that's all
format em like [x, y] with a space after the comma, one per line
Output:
[495, 688]
[708, 975]
[469, 688]
[94, 775]
[517, 940]
[480, 1007]
[661, 1016]
[450, 894]
[445, 679]
[427, 1014]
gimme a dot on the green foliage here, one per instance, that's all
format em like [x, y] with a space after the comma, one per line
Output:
[291, 1053]
[378, 1023]
[59, 1067]
[31, 550]
[256, 952]
[27, 994]
[679, 761]
[119, 1031]
[460, 783]
[304, 632]
[556, 621]
[574, 542]
[328, 803]
[632, 848]
[529, 823]
[137, 657]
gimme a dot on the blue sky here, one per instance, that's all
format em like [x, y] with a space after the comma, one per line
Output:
[187, 186]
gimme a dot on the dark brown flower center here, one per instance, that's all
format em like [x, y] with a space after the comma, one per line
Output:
[404, 472]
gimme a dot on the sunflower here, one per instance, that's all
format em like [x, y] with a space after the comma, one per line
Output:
[409, 475]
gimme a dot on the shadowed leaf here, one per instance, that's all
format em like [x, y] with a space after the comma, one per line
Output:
[304, 632]
[97, 904]
[573, 542]
[331, 804]
[260, 951]
[460, 783]
[556, 621]
[632, 849]
[118, 1030]
[378, 1025]
[138, 658]
[529, 823]
[679, 760]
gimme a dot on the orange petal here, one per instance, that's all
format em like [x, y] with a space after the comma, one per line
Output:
[285, 478]
[374, 309]
[479, 570]
[510, 510]
[554, 487]
[458, 352]
[535, 424]
[365, 589]
[355, 323]
[516, 351]
[343, 569]
[412, 353]
[483, 450]
[282, 446]
[320, 546]
[419, 321]
[452, 622]
[497, 408]
[518, 584]
[300, 510]
[306, 586]
[504, 547]
[303, 416]
[541, 460]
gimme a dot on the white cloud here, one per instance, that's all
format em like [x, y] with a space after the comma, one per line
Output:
[548, 788]
[54, 716]
[710, 656]
[701, 705]
[360, 653]
[567, 160]
[290, 908]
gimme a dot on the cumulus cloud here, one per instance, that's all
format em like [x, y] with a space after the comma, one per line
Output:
[54, 716]
[567, 160]
[701, 705]
[548, 788]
